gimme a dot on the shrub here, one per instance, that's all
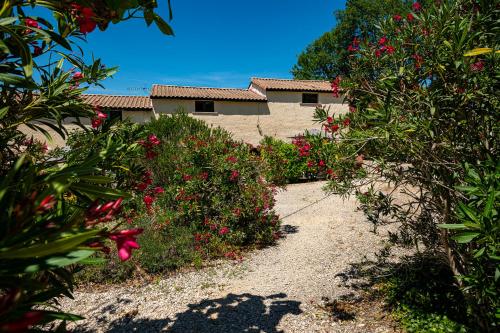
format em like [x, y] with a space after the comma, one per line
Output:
[201, 195]
[306, 158]
[54, 213]
[423, 107]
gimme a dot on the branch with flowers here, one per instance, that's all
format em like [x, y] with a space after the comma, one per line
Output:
[56, 212]
[423, 113]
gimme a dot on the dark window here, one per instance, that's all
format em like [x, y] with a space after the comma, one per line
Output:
[112, 115]
[310, 98]
[204, 106]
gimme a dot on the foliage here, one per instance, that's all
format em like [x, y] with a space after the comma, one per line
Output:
[328, 56]
[306, 158]
[200, 196]
[424, 298]
[423, 109]
[54, 213]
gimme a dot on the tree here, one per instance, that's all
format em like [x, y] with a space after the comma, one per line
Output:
[328, 56]
[55, 213]
[424, 118]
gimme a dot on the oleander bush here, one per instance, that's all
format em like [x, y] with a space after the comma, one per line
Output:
[424, 117]
[306, 158]
[56, 213]
[200, 195]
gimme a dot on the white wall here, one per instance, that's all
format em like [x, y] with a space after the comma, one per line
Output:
[137, 116]
[169, 106]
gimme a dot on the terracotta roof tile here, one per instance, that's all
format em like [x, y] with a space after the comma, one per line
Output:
[292, 85]
[179, 92]
[119, 101]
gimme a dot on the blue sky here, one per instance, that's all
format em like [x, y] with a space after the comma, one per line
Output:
[220, 43]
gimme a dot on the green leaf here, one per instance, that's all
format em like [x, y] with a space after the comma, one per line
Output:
[95, 192]
[452, 226]
[42, 250]
[60, 261]
[3, 111]
[163, 26]
[465, 237]
[479, 252]
[469, 212]
[478, 51]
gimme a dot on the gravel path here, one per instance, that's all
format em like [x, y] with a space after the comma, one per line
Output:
[284, 288]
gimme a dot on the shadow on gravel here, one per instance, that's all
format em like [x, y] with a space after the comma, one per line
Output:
[231, 314]
[289, 229]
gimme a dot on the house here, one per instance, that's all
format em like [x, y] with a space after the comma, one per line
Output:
[277, 107]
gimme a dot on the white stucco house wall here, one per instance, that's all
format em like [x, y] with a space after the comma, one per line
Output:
[276, 107]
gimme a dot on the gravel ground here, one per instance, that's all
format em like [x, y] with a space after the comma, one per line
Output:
[285, 288]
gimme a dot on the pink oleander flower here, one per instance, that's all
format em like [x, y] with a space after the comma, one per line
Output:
[321, 163]
[410, 17]
[416, 6]
[232, 159]
[125, 242]
[159, 190]
[47, 203]
[148, 201]
[336, 87]
[382, 40]
[390, 49]
[78, 76]
[31, 23]
[223, 231]
[397, 17]
[234, 175]
[153, 139]
[96, 122]
[477, 66]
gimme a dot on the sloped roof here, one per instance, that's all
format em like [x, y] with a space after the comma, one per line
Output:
[119, 101]
[181, 92]
[292, 85]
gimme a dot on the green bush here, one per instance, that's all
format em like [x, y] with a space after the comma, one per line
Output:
[424, 112]
[306, 158]
[199, 195]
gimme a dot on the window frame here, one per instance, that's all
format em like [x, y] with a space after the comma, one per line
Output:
[204, 109]
[310, 94]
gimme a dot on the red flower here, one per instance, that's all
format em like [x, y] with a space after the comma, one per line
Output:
[237, 212]
[125, 242]
[390, 49]
[331, 173]
[31, 23]
[86, 21]
[37, 50]
[22, 324]
[204, 175]
[336, 87]
[351, 48]
[78, 76]
[148, 201]
[347, 121]
[223, 231]
[352, 109]
[416, 6]
[335, 128]
[151, 154]
[397, 17]
[234, 175]
[382, 40]
[101, 115]
[187, 178]
[410, 17]
[329, 120]
[154, 140]
[232, 159]
[378, 53]
[47, 203]
[96, 122]
[310, 164]
[477, 66]
[321, 163]
[159, 190]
